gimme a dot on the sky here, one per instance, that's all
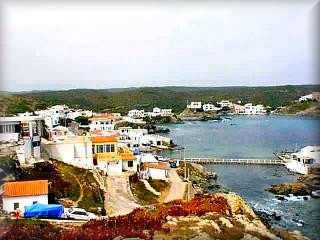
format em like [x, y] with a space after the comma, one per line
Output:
[57, 45]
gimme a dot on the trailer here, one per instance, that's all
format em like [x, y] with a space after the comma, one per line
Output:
[39, 210]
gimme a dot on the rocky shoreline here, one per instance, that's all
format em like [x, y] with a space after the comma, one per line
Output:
[305, 185]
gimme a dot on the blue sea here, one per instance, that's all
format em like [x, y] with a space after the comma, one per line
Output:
[255, 137]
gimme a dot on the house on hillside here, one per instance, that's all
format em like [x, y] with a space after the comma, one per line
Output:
[225, 103]
[24, 131]
[194, 105]
[306, 97]
[210, 107]
[135, 113]
[58, 132]
[25, 193]
[104, 121]
[109, 158]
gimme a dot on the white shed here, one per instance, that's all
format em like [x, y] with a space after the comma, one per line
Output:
[25, 193]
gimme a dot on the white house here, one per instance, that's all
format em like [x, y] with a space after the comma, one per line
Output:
[104, 121]
[131, 137]
[135, 113]
[310, 152]
[21, 194]
[59, 132]
[154, 140]
[210, 107]
[109, 158]
[51, 117]
[133, 120]
[225, 103]
[301, 161]
[73, 114]
[306, 97]
[194, 105]
[166, 112]
[156, 110]
[25, 130]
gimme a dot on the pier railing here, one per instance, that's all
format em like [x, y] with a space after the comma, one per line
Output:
[208, 160]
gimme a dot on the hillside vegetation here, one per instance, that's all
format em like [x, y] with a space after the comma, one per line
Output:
[122, 100]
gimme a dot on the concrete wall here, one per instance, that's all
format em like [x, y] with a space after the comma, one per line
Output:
[156, 173]
[8, 137]
[77, 154]
[8, 202]
[110, 167]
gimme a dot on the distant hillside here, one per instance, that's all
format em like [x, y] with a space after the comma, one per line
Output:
[121, 100]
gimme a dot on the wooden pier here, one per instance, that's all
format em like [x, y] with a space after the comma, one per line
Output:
[245, 161]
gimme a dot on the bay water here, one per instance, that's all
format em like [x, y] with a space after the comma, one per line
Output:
[255, 137]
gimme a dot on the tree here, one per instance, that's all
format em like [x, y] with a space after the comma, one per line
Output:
[82, 120]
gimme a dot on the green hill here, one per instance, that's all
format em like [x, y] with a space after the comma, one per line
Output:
[122, 100]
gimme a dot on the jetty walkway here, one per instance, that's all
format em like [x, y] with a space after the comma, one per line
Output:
[246, 161]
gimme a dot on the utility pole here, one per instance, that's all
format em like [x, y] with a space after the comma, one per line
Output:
[185, 165]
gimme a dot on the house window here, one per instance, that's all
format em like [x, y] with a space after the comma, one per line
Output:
[15, 205]
[100, 149]
[130, 163]
[109, 147]
[34, 202]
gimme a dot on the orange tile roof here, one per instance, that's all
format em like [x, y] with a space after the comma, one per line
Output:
[106, 116]
[102, 139]
[96, 131]
[25, 188]
[159, 165]
[127, 156]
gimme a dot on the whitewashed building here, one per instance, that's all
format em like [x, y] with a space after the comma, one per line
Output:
[194, 105]
[131, 137]
[225, 103]
[18, 195]
[306, 97]
[25, 130]
[210, 107]
[104, 121]
[135, 113]
[73, 114]
[250, 109]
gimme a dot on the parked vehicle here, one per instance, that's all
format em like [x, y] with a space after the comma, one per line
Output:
[78, 214]
[160, 158]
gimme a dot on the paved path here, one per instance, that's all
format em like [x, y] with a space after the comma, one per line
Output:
[118, 198]
[178, 187]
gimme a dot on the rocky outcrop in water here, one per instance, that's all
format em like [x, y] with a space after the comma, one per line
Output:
[297, 189]
[305, 185]
[189, 115]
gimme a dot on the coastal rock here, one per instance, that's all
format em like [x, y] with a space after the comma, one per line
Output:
[287, 235]
[210, 223]
[237, 205]
[226, 222]
[249, 237]
[297, 189]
